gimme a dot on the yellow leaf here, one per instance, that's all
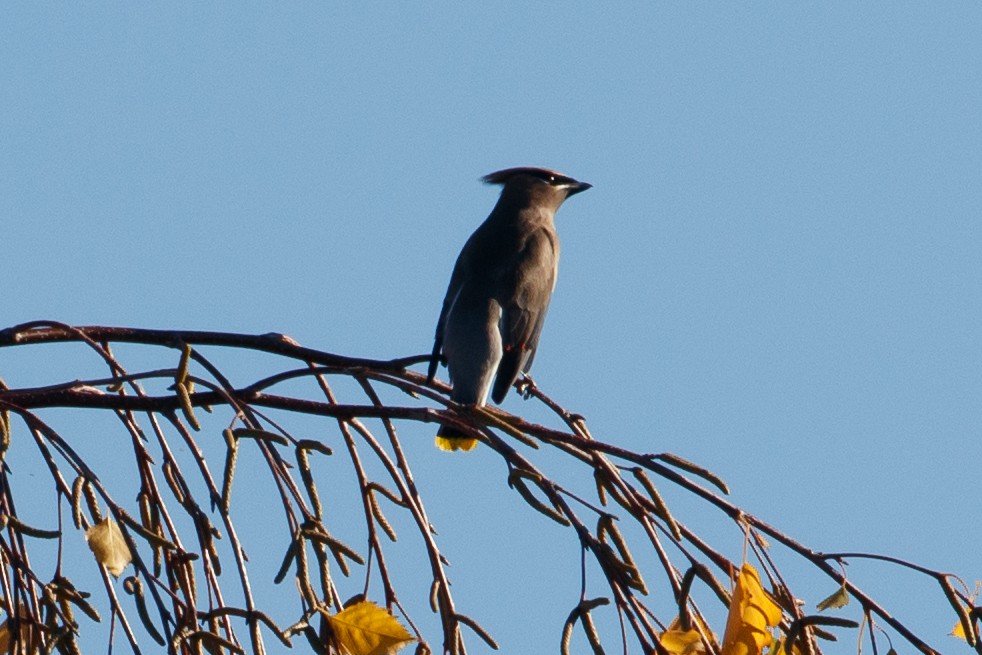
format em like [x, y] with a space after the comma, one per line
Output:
[682, 642]
[107, 543]
[686, 642]
[839, 599]
[752, 614]
[959, 629]
[366, 629]
[777, 648]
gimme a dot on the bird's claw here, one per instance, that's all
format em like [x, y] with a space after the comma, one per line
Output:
[526, 386]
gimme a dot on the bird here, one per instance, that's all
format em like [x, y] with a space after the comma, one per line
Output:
[499, 292]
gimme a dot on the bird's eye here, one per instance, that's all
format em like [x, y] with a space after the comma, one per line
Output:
[551, 179]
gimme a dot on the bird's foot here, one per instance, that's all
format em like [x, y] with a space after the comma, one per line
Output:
[526, 386]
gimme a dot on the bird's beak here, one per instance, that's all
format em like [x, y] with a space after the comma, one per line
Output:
[573, 189]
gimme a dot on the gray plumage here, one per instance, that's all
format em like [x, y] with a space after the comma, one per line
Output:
[499, 291]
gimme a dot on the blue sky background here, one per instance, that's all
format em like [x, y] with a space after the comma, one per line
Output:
[776, 275]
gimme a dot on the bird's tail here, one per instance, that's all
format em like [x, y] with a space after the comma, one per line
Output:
[451, 439]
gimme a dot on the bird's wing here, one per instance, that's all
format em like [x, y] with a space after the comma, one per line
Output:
[457, 279]
[525, 311]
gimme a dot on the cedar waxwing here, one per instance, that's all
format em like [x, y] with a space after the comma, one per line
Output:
[499, 291]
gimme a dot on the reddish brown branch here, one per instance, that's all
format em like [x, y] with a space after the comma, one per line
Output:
[196, 383]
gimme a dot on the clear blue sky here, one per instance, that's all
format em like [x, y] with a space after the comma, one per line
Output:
[777, 273]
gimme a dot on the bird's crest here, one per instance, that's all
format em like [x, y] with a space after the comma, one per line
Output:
[546, 175]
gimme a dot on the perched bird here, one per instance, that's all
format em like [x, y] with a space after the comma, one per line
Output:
[499, 291]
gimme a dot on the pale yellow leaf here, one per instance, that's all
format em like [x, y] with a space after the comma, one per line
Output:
[107, 543]
[366, 629]
[28, 643]
[839, 599]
